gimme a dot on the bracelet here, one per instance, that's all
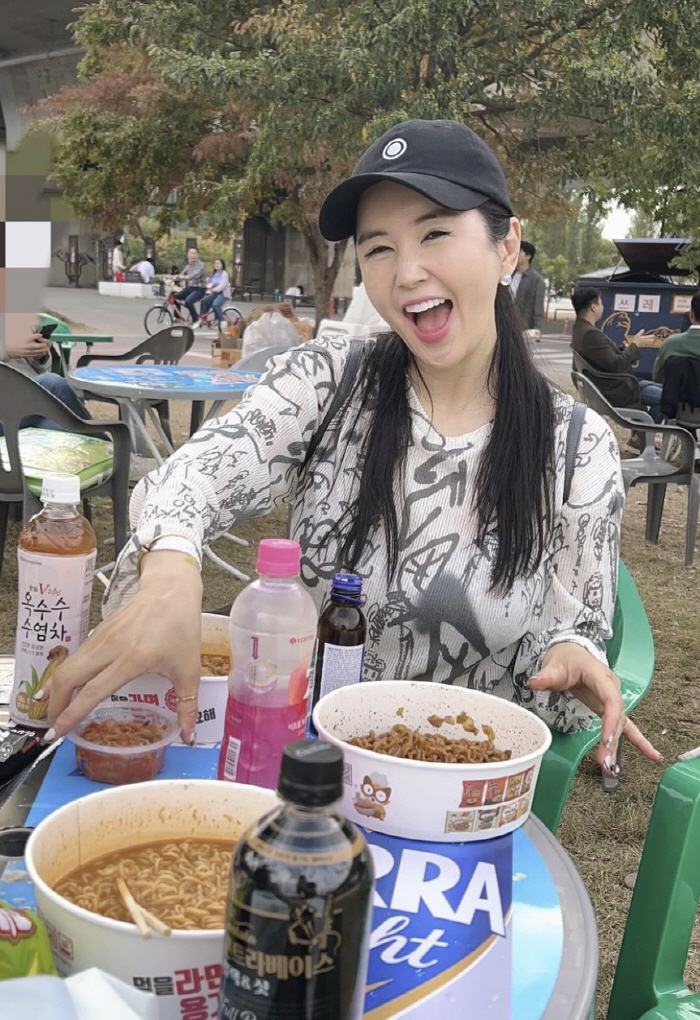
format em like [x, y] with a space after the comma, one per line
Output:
[176, 540]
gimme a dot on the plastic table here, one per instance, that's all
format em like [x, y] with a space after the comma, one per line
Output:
[133, 384]
[555, 944]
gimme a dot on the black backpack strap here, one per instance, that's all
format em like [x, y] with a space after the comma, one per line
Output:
[340, 396]
[573, 436]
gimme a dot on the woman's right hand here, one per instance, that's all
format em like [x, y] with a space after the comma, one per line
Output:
[158, 631]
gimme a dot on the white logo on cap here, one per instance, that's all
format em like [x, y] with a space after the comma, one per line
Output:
[395, 148]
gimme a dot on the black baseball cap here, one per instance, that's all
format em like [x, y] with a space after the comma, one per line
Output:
[442, 159]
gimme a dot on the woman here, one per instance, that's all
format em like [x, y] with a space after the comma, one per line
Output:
[441, 482]
[219, 291]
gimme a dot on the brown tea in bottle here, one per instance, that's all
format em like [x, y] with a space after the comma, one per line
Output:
[56, 556]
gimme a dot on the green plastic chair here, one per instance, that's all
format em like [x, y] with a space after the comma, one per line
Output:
[649, 982]
[66, 340]
[631, 657]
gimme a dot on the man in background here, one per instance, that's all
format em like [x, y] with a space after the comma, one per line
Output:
[680, 345]
[603, 355]
[194, 278]
[528, 291]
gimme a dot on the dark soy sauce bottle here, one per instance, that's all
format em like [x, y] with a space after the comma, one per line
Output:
[300, 902]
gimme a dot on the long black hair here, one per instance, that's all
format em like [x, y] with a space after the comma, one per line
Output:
[514, 482]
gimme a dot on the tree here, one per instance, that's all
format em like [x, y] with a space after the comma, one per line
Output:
[228, 107]
[570, 247]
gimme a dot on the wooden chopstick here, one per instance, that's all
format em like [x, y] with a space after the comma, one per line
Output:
[155, 922]
[142, 918]
[134, 909]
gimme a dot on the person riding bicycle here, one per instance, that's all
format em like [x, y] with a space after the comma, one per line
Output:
[193, 275]
[219, 290]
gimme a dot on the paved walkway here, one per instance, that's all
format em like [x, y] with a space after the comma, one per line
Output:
[123, 318]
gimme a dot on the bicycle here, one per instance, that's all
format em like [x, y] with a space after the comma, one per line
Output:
[171, 312]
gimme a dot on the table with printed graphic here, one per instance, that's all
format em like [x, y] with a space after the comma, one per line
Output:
[130, 384]
[555, 942]
[133, 386]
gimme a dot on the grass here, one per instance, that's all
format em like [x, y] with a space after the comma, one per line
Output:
[602, 833]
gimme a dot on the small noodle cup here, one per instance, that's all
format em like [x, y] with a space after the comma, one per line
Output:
[119, 765]
[122, 818]
[436, 801]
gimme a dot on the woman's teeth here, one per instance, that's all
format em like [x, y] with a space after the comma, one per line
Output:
[423, 306]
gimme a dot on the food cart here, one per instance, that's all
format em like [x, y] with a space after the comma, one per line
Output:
[646, 293]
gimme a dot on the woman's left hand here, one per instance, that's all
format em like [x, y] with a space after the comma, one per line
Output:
[570, 667]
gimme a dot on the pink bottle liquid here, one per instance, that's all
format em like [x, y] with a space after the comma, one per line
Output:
[272, 632]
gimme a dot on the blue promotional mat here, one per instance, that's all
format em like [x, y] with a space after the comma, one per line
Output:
[537, 923]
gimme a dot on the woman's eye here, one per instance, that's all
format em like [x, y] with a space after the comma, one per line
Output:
[377, 250]
[436, 233]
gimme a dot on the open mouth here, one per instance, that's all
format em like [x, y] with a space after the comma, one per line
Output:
[430, 318]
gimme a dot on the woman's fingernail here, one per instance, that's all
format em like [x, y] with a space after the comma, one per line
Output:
[608, 763]
[50, 736]
[193, 740]
[609, 741]
[39, 696]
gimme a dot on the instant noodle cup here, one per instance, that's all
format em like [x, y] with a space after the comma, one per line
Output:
[132, 763]
[183, 966]
[150, 689]
[435, 801]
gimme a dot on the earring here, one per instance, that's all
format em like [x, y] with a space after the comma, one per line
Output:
[506, 280]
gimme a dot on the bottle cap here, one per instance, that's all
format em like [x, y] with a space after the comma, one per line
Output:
[347, 584]
[59, 487]
[279, 557]
[311, 774]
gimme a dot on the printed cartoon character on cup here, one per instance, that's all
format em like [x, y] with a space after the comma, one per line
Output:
[373, 796]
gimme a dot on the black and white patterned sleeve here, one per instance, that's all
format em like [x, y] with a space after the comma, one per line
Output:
[235, 467]
[578, 601]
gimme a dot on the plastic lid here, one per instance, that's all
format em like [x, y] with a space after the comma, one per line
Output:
[59, 487]
[279, 557]
[347, 584]
[311, 774]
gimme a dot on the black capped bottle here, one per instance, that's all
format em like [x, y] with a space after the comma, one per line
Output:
[299, 902]
[342, 632]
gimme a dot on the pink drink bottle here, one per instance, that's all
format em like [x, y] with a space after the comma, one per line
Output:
[273, 633]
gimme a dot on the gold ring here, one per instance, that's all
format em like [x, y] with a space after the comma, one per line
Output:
[188, 697]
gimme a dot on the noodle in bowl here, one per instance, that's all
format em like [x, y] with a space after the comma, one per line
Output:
[119, 819]
[433, 800]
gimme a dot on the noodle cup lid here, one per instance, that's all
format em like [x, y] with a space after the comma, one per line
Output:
[146, 714]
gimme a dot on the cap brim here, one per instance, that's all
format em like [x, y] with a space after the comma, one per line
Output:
[339, 211]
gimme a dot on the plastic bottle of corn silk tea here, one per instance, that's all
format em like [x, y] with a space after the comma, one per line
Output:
[56, 556]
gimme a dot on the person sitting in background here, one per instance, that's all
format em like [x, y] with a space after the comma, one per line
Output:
[31, 355]
[604, 355]
[527, 288]
[219, 291]
[193, 275]
[680, 345]
[145, 270]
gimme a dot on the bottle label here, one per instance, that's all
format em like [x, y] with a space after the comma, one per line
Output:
[255, 736]
[282, 964]
[342, 666]
[52, 621]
